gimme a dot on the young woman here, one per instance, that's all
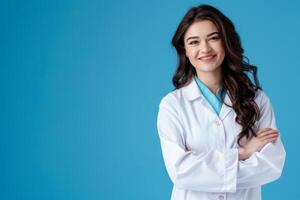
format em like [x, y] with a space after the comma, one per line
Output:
[217, 128]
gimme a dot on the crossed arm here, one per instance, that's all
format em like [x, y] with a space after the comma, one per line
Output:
[259, 162]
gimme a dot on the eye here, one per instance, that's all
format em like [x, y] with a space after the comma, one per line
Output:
[215, 38]
[194, 42]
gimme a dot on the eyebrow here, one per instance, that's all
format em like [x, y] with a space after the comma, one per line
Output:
[196, 37]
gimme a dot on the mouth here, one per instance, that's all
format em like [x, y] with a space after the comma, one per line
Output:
[207, 58]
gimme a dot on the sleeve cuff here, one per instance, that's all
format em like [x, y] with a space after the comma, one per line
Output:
[231, 167]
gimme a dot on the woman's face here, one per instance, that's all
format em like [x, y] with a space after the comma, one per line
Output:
[204, 47]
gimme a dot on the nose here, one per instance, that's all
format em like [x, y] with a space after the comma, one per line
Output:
[205, 47]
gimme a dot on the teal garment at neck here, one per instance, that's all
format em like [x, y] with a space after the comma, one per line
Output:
[214, 100]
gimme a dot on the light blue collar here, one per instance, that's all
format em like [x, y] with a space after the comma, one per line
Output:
[215, 101]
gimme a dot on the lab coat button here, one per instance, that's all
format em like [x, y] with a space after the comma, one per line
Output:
[218, 123]
[221, 197]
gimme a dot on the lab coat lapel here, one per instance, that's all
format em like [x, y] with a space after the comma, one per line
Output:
[191, 92]
[225, 110]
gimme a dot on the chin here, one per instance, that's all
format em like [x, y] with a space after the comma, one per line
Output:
[208, 68]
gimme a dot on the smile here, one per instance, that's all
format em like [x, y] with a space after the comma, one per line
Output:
[207, 58]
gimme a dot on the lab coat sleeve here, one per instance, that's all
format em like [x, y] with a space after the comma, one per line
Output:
[211, 171]
[267, 165]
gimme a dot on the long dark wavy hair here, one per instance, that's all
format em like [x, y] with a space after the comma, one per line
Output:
[241, 90]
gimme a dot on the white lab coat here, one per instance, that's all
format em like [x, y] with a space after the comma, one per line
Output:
[200, 148]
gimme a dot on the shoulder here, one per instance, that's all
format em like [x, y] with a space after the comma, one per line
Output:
[171, 99]
[181, 96]
[267, 114]
[261, 98]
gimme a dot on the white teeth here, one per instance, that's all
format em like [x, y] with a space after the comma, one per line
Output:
[206, 58]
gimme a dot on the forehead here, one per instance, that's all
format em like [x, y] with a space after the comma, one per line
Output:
[201, 29]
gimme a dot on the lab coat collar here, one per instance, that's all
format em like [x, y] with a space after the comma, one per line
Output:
[191, 92]
[225, 110]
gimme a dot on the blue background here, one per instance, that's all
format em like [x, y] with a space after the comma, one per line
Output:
[81, 82]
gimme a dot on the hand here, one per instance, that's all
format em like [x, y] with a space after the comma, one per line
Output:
[264, 136]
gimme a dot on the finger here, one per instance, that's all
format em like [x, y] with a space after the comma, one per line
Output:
[270, 140]
[270, 136]
[263, 130]
[266, 130]
[267, 133]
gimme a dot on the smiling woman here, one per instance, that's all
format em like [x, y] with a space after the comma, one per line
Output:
[217, 128]
[205, 50]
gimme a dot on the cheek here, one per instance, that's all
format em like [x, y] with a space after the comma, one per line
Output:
[191, 53]
[222, 54]
[219, 47]
[221, 51]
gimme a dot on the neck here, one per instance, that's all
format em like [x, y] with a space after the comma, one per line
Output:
[211, 79]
